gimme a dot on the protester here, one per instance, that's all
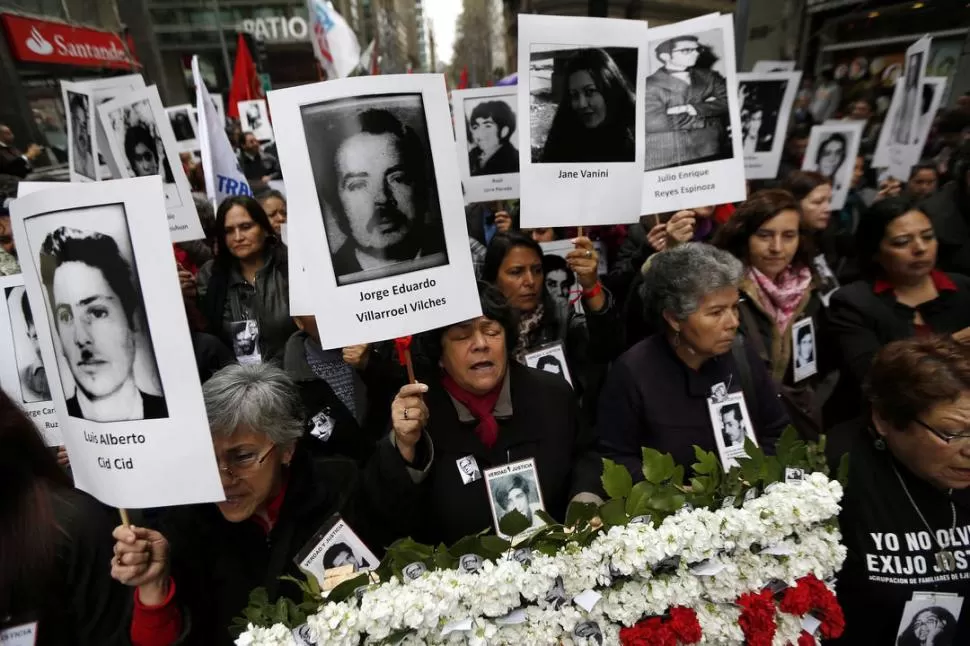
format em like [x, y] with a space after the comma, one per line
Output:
[259, 166]
[514, 264]
[656, 393]
[485, 219]
[594, 120]
[274, 203]
[248, 279]
[902, 294]
[780, 291]
[277, 497]
[480, 403]
[827, 97]
[923, 178]
[794, 152]
[909, 477]
[12, 161]
[339, 418]
[948, 209]
[813, 191]
[54, 543]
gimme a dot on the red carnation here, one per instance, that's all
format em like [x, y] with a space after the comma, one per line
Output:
[683, 621]
[806, 639]
[650, 632]
[757, 619]
[797, 600]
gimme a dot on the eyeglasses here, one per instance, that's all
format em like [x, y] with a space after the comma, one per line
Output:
[946, 437]
[243, 465]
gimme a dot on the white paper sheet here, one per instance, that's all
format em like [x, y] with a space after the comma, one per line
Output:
[766, 100]
[488, 144]
[831, 151]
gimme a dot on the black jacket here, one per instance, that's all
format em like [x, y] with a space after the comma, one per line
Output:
[347, 436]
[652, 399]
[505, 160]
[83, 605]
[261, 166]
[216, 563]
[882, 533]
[153, 406]
[545, 424]
[862, 321]
[950, 216]
[345, 260]
[13, 162]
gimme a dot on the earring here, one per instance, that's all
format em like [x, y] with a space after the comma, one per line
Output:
[879, 444]
[676, 338]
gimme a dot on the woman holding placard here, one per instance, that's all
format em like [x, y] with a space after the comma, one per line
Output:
[244, 291]
[781, 315]
[197, 569]
[595, 118]
[478, 411]
[674, 389]
[513, 263]
[54, 540]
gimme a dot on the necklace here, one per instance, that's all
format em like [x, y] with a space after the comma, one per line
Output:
[944, 558]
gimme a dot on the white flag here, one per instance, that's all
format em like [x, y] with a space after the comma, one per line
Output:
[223, 176]
[334, 42]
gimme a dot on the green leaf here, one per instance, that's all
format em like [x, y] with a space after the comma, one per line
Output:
[494, 544]
[613, 513]
[513, 523]
[546, 518]
[258, 596]
[677, 479]
[655, 466]
[617, 481]
[843, 472]
[637, 502]
[346, 589]
[580, 512]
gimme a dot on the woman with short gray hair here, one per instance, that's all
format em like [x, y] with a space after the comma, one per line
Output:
[668, 390]
[278, 497]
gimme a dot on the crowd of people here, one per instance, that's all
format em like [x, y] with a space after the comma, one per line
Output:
[854, 324]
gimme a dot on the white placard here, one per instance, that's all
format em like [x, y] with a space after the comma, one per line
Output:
[22, 635]
[831, 151]
[773, 66]
[23, 375]
[487, 137]
[804, 349]
[766, 100]
[335, 545]
[254, 118]
[904, 143]
[371, 177]
[732, 424]
[552, 359]
[141, 143]
[183, 120]
[515, 487]
[934, 87]
[98, 256]
[693, 131]
[581, 148]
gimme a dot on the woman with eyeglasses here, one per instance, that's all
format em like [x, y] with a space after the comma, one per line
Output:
[905, 516]
[193, 574]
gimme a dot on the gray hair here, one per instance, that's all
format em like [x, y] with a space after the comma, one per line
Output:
[260, 398]
[677, 280]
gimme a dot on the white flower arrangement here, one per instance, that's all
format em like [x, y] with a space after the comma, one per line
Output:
[711, 556]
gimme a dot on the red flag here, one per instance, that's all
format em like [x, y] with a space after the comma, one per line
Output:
[246, 85]
[463, 78]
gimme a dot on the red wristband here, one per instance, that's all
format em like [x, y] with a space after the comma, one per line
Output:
[594, 292]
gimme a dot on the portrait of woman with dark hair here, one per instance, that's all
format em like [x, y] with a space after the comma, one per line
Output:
[933, 626]
[760, 103]
[831, 156]
[595, 118]
[141, 149]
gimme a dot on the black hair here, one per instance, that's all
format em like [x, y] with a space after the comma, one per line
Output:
[271, 194]
[500, 246]
[66, 244]
[927, 98]
[801, 183]
[78, 102]
[139, 134]
[517, 482]
[943, 616]
[25, 306]
[804, 331]
[497, 111]
[414, 159]
[335, 550]
[667, 46]
[256, 212]
[872, 229]
[495, 307]
[926, 164]
[552, 262]
[734, 407]
[735, 235]
[548, 360]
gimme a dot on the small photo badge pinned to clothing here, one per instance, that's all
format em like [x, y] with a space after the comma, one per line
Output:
[245, 342]
[719, 391]
[22, 635]
[323, 425]
[334, 545]
[515, 487]
[930, 618]
[468, 469]
[589, 632]
[828, 283]
[794, 475]
[732, 424]
[804, 350]
[550, 358]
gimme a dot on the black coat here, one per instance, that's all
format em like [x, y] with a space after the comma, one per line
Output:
[505, 160]
[653, 399]
[545, 425]
[950, 215]
[876, 580]
[83, 605]
[216, 563]
[13, 162]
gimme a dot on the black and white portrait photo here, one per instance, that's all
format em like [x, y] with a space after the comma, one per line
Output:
[82, 148]
[376, 186]
[96, 311]
[583, 104]
[340, 554]
[930, 620]
[182, 126]
[30, 367]
[335, 545]
[322, 425]
[561, 282]
[804, 359]
[468, 469]
[253, 118]
[490, 126]
[686, 102]
[831, 151]
[906, 118]
[245, 341]
[765, 101]
[732, 426]
[135, 130]
[550, 358]
[515, 487]
[589, 632]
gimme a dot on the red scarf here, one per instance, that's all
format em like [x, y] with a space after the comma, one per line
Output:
[480, 406]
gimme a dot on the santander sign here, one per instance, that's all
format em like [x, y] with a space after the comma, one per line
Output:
[43, 41]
